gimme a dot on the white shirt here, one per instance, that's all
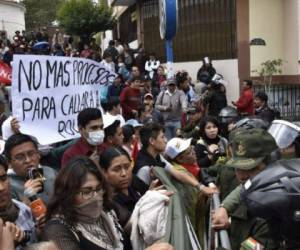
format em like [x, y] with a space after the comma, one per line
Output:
[118, 117]
[110, 66]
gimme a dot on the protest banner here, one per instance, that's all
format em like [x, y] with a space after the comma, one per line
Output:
[5, 73]
[48, 92]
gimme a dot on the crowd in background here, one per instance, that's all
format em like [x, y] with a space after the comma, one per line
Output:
[103, 190]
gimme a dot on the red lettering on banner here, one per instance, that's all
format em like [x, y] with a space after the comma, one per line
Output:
[5, 73]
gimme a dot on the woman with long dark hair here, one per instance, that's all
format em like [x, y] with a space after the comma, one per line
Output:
[117, 167]
[79, 213]
[211, 147]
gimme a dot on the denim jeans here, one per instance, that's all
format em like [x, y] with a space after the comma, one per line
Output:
[170, 128]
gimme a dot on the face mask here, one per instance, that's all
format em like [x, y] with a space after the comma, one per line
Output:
[120, 64]
[91, 209]
[95, 137]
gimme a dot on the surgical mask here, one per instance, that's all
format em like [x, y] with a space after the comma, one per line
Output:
[120, 64]
[95, 137]
[90, 210]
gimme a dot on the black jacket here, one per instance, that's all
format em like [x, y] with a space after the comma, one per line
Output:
[265, 113]
[145, 159]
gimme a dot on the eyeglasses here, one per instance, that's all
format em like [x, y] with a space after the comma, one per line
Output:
[89, 194]
[3, 178]
[23, 157]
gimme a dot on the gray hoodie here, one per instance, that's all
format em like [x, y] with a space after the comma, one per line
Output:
[177, 101]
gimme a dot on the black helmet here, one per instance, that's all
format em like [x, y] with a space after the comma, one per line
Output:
[252, 122]
[274, 194]
[204, 77]
[228, 115]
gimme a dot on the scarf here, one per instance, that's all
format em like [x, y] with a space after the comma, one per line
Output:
[104, 232]
[194, 169]
[90, 211]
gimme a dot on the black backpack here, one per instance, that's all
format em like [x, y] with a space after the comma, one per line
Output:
[274, 194]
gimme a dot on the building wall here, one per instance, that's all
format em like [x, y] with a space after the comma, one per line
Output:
[266, 22]
[298, 22]
[291, 37]
[106, 37]
[228, 68]
[12, 17]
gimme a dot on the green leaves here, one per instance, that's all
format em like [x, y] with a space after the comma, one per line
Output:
[267, 70]
[40, 13]
[270, 67]
[83, 17]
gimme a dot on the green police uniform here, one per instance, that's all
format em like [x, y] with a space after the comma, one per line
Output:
[225, 178]
[250, 148]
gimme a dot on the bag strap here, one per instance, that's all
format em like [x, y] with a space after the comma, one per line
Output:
[64, 223]
[162, 98]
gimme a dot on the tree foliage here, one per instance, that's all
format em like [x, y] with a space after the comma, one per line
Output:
[83, 17]
[40, 13]
[267, 70]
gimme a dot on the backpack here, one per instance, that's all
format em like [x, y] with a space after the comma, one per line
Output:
[274, 194]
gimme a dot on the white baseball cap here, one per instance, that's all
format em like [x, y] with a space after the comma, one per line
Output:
[176, 146]
[109, 120]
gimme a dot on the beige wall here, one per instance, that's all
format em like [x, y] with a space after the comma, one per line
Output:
[278, 23]
[290, 37]
[266, 22]
[12, 17]
[228, 68]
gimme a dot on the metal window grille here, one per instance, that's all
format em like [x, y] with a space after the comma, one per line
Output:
[284, 98]
[127, 26]
[206, 28]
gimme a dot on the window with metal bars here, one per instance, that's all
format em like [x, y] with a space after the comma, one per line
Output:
[127, 26]
[206, 28]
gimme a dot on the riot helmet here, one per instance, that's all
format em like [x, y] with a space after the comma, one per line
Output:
[228, 115]
[218, 79]
[252, 122]
[284, 132]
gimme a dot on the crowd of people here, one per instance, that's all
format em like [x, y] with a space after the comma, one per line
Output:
[150, 158]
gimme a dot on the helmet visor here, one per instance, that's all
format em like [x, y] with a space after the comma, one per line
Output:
[283, 134]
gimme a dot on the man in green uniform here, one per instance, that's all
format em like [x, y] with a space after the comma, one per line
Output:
[251, 150]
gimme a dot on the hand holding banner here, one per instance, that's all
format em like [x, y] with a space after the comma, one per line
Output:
[48, 93]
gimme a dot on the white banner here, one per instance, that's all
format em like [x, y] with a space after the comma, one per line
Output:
[49, 91]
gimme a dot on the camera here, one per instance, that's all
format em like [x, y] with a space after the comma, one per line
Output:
[36, 173]
[216, 154]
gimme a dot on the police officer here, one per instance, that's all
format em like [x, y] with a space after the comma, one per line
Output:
[227, 116]
[250, 153]
[287, 137]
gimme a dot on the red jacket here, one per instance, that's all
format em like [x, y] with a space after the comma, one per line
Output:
[245, 102]
[81, 147]
[130, 99]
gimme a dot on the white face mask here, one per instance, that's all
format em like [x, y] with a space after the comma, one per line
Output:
[95, 137]
[120, 64]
